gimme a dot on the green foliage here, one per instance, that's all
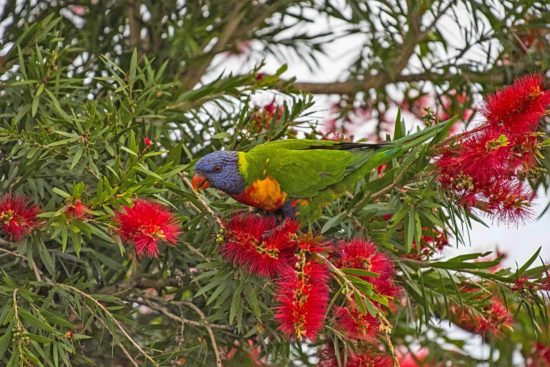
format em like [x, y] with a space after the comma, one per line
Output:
[80, 93]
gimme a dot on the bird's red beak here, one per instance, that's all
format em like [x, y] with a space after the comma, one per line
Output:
[200, 182]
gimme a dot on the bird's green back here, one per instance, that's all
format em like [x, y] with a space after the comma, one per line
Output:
[303, 168]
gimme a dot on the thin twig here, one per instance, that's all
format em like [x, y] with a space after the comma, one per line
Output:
[389, 187]
[234, 19]
[108, 313]
[203, 203]
[196, 251]
[191, 305]
[182, 320]
[130, 358]
[30, 262]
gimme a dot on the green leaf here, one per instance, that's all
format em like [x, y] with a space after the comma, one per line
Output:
[127, 150]
[77, 156]
[529, 262]
[34, 321]
[5, 342]
[221, 135]
[235, 304]
[61, 193]
[36, 100]
[410, 230]
[332, 222]
[400, 129]
[46, 257]
[360, 272]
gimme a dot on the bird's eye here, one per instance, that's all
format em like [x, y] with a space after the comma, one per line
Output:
[217, 169]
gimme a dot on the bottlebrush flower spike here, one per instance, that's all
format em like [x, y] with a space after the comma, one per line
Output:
[146, 224]
[77, 210]
[18, 216]
[487, 167]
[494, 318]
[540, 356]
[354, 324]
[519, 107]
[416, 359]
[370, 357]
[363, 254]
[302, 293]
[259, 244]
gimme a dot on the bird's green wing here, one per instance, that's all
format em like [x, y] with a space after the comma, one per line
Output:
[303, 168]
[365, 163]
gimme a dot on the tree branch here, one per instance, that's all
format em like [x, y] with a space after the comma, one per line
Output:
[377, 81]
[134, 24]
[146, 299]
[234, 18]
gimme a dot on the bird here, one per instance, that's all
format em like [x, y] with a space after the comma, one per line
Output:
[298, 177]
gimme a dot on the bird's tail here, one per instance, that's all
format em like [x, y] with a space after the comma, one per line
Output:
[372, 156]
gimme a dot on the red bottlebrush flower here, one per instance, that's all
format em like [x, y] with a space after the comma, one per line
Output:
[487, 167]
[259, 244]
[519, 107]
[413, 359]
[262, 117]
[540, 356]
[362, 254]
[77, 210]
[18, 216]
[245, 355]
[433, 240]
[493, 319]
[147, 142]
[521, 284]
[146, 224]
[438, 239]
[370, 357]
[497, 255]
[302, 294]
[356, 325]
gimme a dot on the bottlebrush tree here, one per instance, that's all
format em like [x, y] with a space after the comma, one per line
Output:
[109, 257]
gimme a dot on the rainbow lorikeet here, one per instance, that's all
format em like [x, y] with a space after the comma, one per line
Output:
[297, 176]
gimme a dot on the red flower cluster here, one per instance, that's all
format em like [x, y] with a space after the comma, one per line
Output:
[487, 166]
[355, 324]
[370, 357]
[410, 359]
[540, 356]
[493, 320]
[146, 224]
[433, 241]
[263, 116]
[362, 254]
[147, 142]
[245, 354]
[18, 216]
[77, 210]
[302, 294]
[259, 244]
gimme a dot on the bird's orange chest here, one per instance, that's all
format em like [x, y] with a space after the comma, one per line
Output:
[264, 194]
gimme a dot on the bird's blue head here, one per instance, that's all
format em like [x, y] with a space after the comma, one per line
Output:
[219, 170]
